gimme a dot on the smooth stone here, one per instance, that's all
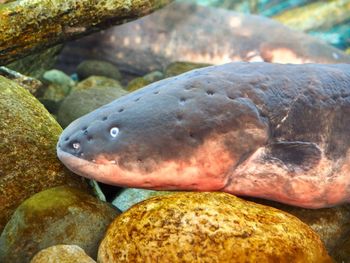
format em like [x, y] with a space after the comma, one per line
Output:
[28, 138]
[62, 254]
[86, 97]
[131, 196]
[140, 82]
[331, 224]
[89, 68]
[60, 215]
[208, 227]
[59, 85]
[97, 82]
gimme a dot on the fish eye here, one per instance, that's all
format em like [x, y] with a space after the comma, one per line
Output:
[76, 145]
[114, 131]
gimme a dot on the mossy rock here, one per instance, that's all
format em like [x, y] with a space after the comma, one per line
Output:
[28, 138]
[35, 65]
[62, 254]
[60, 215]
[89, 68]
[208, 227]
[177, 68]
[140, 82]
[87, 97]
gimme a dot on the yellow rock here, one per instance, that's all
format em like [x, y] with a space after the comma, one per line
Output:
[62, 254]
[320, 14]
[208, 227]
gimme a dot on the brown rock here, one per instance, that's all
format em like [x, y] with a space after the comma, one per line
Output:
[208, 227]
[28, 161]
[60, 215]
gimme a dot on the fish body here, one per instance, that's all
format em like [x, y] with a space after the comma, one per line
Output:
[187, 32]
[273, 131]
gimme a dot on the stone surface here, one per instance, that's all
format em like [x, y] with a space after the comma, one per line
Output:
[183, 32]
[87, 97]
[178, 68]
[131, 196]
[210, 227]
[62, 254]
[35, 65]
[60, 215]
[317, 15]
[89, 68]
[97, 82]
[331, 224]
[27, 27]
[28, 137]
[59, 85]
[140, 82]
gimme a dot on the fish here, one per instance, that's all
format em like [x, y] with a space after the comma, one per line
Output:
[272, 131]
[199, 34]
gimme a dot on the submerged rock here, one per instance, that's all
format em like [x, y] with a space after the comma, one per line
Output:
[178, 68]
[210, 227]
[331, 224]
[62, 254]
[183, 32]
[59, 85]
[60, 215]
[88, 96]
[28, 137]
[89, 68]
[141, 82]
[131, 196]
[317, 15]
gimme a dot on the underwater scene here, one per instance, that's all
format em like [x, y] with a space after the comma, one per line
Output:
[174, 131]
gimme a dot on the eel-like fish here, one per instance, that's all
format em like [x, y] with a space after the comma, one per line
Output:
[185, 32]
[275, 131]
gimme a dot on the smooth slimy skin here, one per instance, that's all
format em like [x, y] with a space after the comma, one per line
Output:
[274, 131]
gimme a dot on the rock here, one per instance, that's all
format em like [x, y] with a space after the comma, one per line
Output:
[59, 86]
[60, 215]
[35, 65]
[131, 196]
[31, 26]
[97, 82]
[30, 84]
[62, 254]
[140, 82]
[183, 32]
[89, 68]
[210, 227]
[331, 224]
[178, 68]
[341, 253]
[28, 137]
[85, 98]
[58, 77]
[316, 15]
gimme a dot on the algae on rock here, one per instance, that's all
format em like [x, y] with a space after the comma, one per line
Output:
[28, 161]
[59, 215]
[29, 26]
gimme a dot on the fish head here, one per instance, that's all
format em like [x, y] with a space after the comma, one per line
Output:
[179, 134]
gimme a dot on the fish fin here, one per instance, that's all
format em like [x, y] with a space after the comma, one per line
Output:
[304, 155]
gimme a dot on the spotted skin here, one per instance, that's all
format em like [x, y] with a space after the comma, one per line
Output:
[273, 131]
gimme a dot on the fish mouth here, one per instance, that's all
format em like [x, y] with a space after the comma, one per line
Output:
[89, 169]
